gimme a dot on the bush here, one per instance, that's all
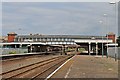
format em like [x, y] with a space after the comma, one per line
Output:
[81, 49]
[12, 52]
[25, 51]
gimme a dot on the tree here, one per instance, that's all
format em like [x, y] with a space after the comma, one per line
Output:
[118, 41]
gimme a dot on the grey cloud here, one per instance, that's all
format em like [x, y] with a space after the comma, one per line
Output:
[65, 20]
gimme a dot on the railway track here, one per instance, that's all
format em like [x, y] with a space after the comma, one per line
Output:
[23, 57]
[38, 70]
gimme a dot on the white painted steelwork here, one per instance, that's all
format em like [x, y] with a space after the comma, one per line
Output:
[10, 43]
[92, 41]
[113, 44]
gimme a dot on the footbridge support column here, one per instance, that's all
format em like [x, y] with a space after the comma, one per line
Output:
[89, 48]
[96, 48]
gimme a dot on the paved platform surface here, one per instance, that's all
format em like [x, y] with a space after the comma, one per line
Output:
[82, 66]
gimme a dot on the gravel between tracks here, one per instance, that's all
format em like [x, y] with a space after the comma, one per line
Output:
[36, 69]
[14, 64]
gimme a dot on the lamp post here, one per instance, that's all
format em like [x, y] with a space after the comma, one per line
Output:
[20, 39]
[115, 3]
[102, 39]
[105, 15]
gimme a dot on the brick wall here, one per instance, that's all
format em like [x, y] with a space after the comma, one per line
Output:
[11, 37]
[111, 36]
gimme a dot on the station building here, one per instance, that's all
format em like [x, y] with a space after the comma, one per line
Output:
[92, 44]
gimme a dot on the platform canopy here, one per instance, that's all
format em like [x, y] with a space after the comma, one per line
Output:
[23, 43]
[92, 41]
[113, 44]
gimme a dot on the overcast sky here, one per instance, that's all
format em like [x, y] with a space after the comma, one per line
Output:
[72, 18]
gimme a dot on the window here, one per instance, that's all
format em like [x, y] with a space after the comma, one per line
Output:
[34, 39]
[59, 39]
[66, 39]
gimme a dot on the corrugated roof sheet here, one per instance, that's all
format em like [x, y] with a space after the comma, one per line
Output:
[61, 36]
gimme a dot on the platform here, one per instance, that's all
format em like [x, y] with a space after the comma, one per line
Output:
[83, 66]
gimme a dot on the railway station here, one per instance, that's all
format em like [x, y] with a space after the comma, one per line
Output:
[47, 57]
[40, 43]
[60, 40]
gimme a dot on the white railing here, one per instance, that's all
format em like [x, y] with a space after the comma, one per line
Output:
[16, 50]
[111, 52]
